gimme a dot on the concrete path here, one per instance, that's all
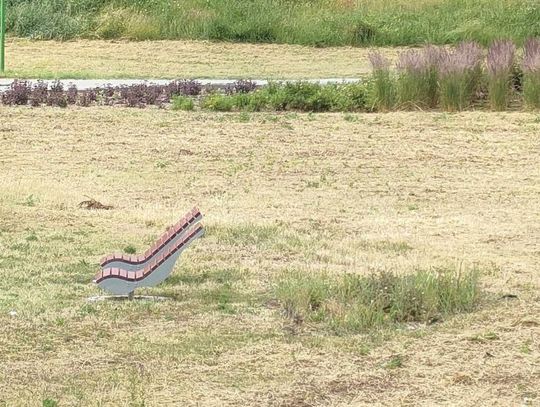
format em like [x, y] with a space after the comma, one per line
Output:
[83, 84]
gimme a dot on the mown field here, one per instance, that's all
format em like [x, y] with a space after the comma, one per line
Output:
[182, 59]
[308, 22]
[283, 195]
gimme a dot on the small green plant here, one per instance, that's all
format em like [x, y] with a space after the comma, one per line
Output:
[161, 164]
[182, 103]
[130, 249]
[31, 200]
[526, 347]
[395, 362]
[32, 237]
[50, 403]
[218, 102]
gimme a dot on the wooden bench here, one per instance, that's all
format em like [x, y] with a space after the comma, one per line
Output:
[121, 274]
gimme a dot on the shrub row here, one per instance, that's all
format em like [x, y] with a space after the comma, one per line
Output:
[240, 95]
[456, 78]
[301, 96]
[23, 92]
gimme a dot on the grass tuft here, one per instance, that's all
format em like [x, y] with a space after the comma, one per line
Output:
[130, 249]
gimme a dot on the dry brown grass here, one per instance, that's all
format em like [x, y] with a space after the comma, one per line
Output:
[280, 192]
[181, 59]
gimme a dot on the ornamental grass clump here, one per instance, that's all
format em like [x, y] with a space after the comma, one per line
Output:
[433, 56]
[417, 78]
[500, 68]
[460, 75]
[531, 73]
[383, 90]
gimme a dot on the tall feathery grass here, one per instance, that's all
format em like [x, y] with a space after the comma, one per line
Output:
[417, 83]
[460, 72]
[500, 67]
[383, 91]
[531, 73]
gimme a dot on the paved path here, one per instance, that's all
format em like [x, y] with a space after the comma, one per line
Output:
[83, 84]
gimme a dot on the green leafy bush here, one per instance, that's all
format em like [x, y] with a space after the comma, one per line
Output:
[299, 96]
[182, 103]
[218, 102]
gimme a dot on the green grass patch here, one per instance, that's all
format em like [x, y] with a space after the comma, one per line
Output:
[352, 303]
[244, 235]
[314, 23]
[198, 277]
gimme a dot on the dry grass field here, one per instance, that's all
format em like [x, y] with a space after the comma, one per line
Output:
[181, 59]
[281, 193]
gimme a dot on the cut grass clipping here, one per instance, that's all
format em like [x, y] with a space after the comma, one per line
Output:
[354, 303]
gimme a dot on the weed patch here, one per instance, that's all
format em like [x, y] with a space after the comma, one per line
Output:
[355, 303]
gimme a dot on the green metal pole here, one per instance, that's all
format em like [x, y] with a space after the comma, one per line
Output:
[2, 33]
